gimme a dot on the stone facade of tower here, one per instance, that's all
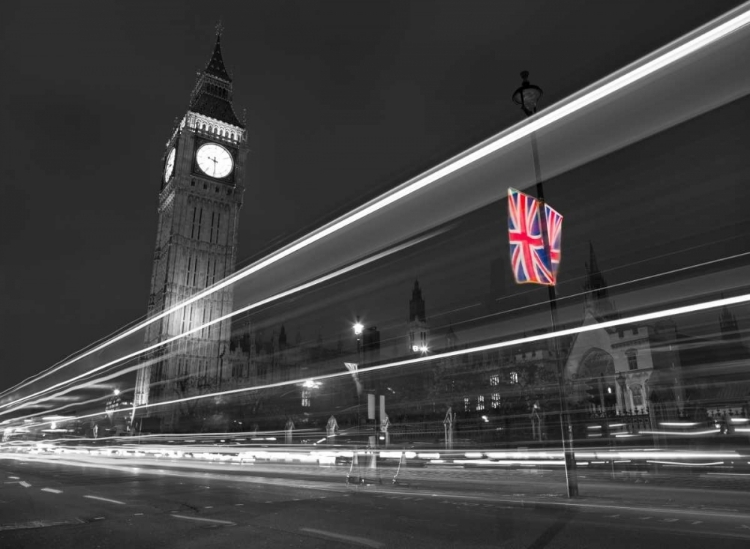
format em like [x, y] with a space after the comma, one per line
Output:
[196, 244]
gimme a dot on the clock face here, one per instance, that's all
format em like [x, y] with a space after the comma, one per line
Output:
[214, 160]
[169, 166]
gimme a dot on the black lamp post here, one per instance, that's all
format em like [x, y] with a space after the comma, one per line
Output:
[527, 97]
[359, 330]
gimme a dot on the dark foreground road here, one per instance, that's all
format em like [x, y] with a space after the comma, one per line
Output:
[109, 503]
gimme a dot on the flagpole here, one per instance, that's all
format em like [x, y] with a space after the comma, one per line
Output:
[566, 429]
[527, 96]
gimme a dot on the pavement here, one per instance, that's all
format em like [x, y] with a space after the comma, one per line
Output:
[90, 501]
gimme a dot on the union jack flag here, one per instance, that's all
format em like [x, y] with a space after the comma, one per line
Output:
[530, 262]
[554, 230]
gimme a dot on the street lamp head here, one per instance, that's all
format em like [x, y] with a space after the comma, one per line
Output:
[528, 95]
[358, 328]
[117, 392]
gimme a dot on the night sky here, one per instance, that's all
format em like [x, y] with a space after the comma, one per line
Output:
[344, 100]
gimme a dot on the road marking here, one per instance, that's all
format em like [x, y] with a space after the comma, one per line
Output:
[36, 524]
[341, 537]
[24, 484]
[670, 520]
[15, 478]
[216, 521]
[239, 504]
[645, 518]
[137, 514]
[52, 490]
[106, 499]
[698, 522]
[98, 518]
[209, 507]
[613, 516]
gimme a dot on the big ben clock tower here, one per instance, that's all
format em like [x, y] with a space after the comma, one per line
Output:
[196, 242]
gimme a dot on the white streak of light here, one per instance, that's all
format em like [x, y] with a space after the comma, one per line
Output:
[684, 464]
[533, 125]
[276, 297]
[677, 311]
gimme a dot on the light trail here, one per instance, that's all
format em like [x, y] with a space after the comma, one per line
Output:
[197, 329]
[676, 311]
[672, 53]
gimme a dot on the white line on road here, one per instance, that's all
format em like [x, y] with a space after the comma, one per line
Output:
[697, 522]
[341, 537]
[52, 490]
[36, 524]
[670, 520]
[15, 478]
[24, 484]
[205, 520]
[106, 499]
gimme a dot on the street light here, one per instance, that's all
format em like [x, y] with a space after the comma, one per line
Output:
[527, 97]
[358, 328]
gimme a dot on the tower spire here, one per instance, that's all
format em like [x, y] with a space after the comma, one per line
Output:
[416, 305]
[215, 65]
[597, 297]
[212, 95]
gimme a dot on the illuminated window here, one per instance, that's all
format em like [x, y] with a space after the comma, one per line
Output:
[466, 404]
[632, 355]
[480, 403]
[495, 380]
[306, 398]
[495, 400]
[514, 377]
